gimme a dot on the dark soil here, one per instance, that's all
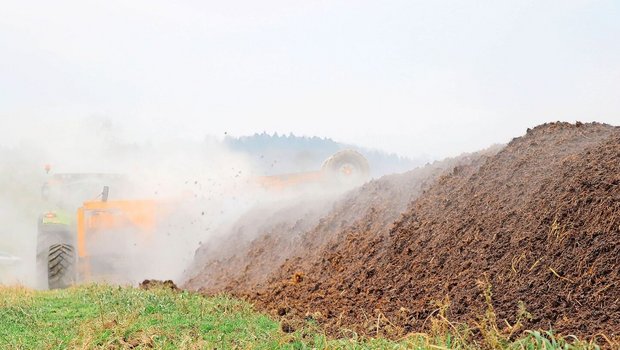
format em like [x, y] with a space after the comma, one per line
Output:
[537, 225]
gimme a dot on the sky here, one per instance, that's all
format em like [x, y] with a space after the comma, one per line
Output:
[432, 78]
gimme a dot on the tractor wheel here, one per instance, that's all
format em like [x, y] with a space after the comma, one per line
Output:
[61, 266]
[347, 167]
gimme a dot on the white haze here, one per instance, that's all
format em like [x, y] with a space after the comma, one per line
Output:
[199, 187]
[412, 77]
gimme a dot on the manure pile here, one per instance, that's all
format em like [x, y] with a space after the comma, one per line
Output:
[535, 226]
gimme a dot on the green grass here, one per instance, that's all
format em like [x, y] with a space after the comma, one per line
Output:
[107, 317]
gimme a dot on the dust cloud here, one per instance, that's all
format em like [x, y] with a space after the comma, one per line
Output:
[194, 189]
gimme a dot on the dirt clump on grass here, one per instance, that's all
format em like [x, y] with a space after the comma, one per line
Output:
[530, 235]
[157, 284]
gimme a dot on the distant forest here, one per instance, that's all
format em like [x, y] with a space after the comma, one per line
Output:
[279, 154]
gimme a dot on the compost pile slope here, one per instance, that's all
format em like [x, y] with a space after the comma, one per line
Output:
[251, 253]
[242, 255]
[537, 225]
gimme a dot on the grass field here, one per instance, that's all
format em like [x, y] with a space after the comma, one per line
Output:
[107, 317]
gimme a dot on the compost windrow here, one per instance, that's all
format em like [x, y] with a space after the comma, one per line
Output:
[532, 231]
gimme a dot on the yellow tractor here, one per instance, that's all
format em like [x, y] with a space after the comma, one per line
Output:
[101, 237]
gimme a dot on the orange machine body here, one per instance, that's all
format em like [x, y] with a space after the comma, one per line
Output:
[96, 219]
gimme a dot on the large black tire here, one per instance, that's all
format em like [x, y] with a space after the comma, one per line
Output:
[347, 167]
[61, 271]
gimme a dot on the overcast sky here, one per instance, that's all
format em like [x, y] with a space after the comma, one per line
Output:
[412, 77]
